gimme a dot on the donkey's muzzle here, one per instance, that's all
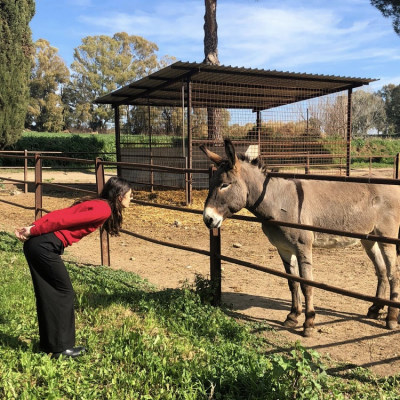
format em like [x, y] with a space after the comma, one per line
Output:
[211, 218]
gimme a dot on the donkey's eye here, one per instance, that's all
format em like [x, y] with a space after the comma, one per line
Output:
[224, 185]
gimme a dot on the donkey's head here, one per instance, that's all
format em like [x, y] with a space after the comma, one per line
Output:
[228, 191]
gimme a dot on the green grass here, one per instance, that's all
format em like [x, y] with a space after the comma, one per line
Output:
[378, 148]
[150, 344]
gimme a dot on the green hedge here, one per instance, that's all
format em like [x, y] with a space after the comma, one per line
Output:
[378, 148]
[88, 146]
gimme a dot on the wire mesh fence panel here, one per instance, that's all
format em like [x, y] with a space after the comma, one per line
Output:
[154, 136]
[290, 121]
[304, 136]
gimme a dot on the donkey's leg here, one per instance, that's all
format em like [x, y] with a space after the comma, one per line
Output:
[390, 257]
[304, 257]
[375, 254]
[291, 267]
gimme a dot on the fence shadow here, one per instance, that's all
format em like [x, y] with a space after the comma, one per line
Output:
[238, 302]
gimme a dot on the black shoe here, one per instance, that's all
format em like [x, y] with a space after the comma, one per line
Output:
[73, 352]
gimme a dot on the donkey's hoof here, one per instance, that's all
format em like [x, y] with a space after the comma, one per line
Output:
[392, 324]
[308, 332]
[290, 323]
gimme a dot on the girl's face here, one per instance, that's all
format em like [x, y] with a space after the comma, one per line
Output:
[126, 199]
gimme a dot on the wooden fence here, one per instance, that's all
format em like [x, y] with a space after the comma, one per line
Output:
[214, 252]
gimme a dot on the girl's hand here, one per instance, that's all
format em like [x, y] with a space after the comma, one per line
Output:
[23, 233]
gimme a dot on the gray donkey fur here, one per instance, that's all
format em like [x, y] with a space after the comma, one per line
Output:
[365, 208]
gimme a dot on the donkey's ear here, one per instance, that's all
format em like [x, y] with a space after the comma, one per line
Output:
[230, 153]
[215, 158]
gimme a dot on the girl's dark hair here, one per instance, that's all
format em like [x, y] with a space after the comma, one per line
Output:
[113, 190]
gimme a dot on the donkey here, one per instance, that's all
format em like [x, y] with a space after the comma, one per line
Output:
[365, 208]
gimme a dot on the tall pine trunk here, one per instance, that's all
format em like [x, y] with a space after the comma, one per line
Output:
[211, 58]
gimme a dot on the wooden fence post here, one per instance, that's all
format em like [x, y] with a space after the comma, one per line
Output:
[104, 238]
[25, 171]
[397, 162]
[215, 260]
[38, 187]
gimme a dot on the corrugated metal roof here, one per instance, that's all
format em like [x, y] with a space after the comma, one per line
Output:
[228, 87]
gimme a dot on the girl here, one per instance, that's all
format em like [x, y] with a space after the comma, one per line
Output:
[44, 242]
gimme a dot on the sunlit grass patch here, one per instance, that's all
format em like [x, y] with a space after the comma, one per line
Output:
[145, 343]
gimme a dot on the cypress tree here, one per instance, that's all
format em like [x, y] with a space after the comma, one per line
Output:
[15, 67]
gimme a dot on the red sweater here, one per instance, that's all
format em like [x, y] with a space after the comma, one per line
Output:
[73, 223]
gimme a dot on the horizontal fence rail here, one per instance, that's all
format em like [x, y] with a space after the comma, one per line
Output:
[153, 167]
[315, 284]
[69, 159]
[168, 207]
[75, 189]
[167, 244]
[4, 178]
[355, 235]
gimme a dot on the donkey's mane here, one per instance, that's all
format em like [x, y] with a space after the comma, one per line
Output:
[253, 161]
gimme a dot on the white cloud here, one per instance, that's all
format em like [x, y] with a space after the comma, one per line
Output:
[348, 38]
[157, 23]
[295, 37]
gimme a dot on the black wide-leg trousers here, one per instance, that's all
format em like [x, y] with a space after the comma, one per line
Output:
[54, 292]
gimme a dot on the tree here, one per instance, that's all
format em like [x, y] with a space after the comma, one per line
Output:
[211, 33]
[368, 113]
[332, 115]
[15, 67]
[49, 74]
[211, 58]
[390, 95]
[389, 8]
[101, 65]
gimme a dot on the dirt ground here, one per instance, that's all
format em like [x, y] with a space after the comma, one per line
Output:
[343, 333]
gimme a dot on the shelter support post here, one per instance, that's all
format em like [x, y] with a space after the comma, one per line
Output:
[215, 260]
[187, 189]
[104, 238]
[150, 148]
[259, 132]
[348, 133]
[38, 187]
[397, 166]
[117, 137]
[307, 164]
[189, 144]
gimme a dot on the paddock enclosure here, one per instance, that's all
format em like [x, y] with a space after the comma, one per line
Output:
[292, 121]
[169, 243]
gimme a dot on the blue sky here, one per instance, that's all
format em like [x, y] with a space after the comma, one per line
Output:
[339, 37]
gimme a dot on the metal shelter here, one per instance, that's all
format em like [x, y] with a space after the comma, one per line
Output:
[188, 85]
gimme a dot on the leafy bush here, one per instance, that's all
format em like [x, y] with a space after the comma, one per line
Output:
[85, 146]
[363, 148]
